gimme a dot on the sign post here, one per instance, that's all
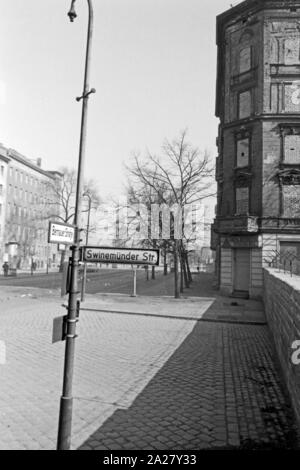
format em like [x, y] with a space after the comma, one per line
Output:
[61, 233]
[112, 255]
[134, 281]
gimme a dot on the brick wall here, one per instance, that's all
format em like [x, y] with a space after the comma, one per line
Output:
[282, 306]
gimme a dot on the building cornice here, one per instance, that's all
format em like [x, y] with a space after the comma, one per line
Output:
[4, 158]
[250, 7]
[291, 119]
[14, 155]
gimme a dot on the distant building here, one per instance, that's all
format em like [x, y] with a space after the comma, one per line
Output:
[25, 203]
[258, 166]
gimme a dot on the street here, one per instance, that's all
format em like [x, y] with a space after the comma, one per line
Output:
[110, 280]
[171, 374]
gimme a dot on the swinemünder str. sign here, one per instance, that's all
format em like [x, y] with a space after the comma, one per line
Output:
[98, 254]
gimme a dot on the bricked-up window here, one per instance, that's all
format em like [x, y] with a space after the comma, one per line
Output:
[291, 201]
[245, 104]
[291, 97]
[242, 148]
[292, 149]
[290, 250]
[241, 201]
[291, 51]
[245, 59]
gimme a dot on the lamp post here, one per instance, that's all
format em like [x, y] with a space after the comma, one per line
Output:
[86, 242]
[66, 401]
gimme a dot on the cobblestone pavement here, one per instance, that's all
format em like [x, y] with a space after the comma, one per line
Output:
[220, 389]
[152, 381]
[116, 356]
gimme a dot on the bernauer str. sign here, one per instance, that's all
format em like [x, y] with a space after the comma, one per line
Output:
[61, 233]
[99, 254]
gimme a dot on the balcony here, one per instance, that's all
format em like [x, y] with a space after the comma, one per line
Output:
[242, 224]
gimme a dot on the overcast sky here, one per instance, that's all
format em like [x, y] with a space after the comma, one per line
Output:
[153, 66]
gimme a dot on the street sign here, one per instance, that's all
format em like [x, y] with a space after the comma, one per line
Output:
[100, 254]
[61, 233]
[59, 329]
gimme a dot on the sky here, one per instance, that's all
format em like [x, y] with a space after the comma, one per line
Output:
[153, 66]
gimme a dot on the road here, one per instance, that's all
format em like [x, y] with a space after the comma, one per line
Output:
[116, 281]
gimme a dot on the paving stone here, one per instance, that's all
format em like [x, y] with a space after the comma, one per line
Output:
[181, 384]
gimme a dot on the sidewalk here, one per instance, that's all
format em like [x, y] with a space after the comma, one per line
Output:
[150, 373]
[220, 389]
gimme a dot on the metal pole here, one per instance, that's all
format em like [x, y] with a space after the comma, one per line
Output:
[86, 242]
[66, 402]
[134, 283]
[47, 261]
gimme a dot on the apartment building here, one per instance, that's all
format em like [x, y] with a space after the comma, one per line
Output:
[26, 204]
[258, 163]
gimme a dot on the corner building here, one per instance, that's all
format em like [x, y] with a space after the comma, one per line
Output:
[258, 163]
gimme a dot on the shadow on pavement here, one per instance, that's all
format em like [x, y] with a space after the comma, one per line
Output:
[220, 389]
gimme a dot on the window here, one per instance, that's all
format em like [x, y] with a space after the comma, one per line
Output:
[290, 250]
[291, 97]
[291, 201]
[245, 59]
[242, 158]
[291, 51]
[292, 149]
[245, 104]
[1, 189]
[242, 201]
[2, 170]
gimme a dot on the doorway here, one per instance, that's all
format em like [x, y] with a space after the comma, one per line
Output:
[241, 270]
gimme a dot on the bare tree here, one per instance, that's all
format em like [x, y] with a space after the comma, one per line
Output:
[181, 176]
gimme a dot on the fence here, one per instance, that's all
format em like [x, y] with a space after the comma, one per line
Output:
[288, 262]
